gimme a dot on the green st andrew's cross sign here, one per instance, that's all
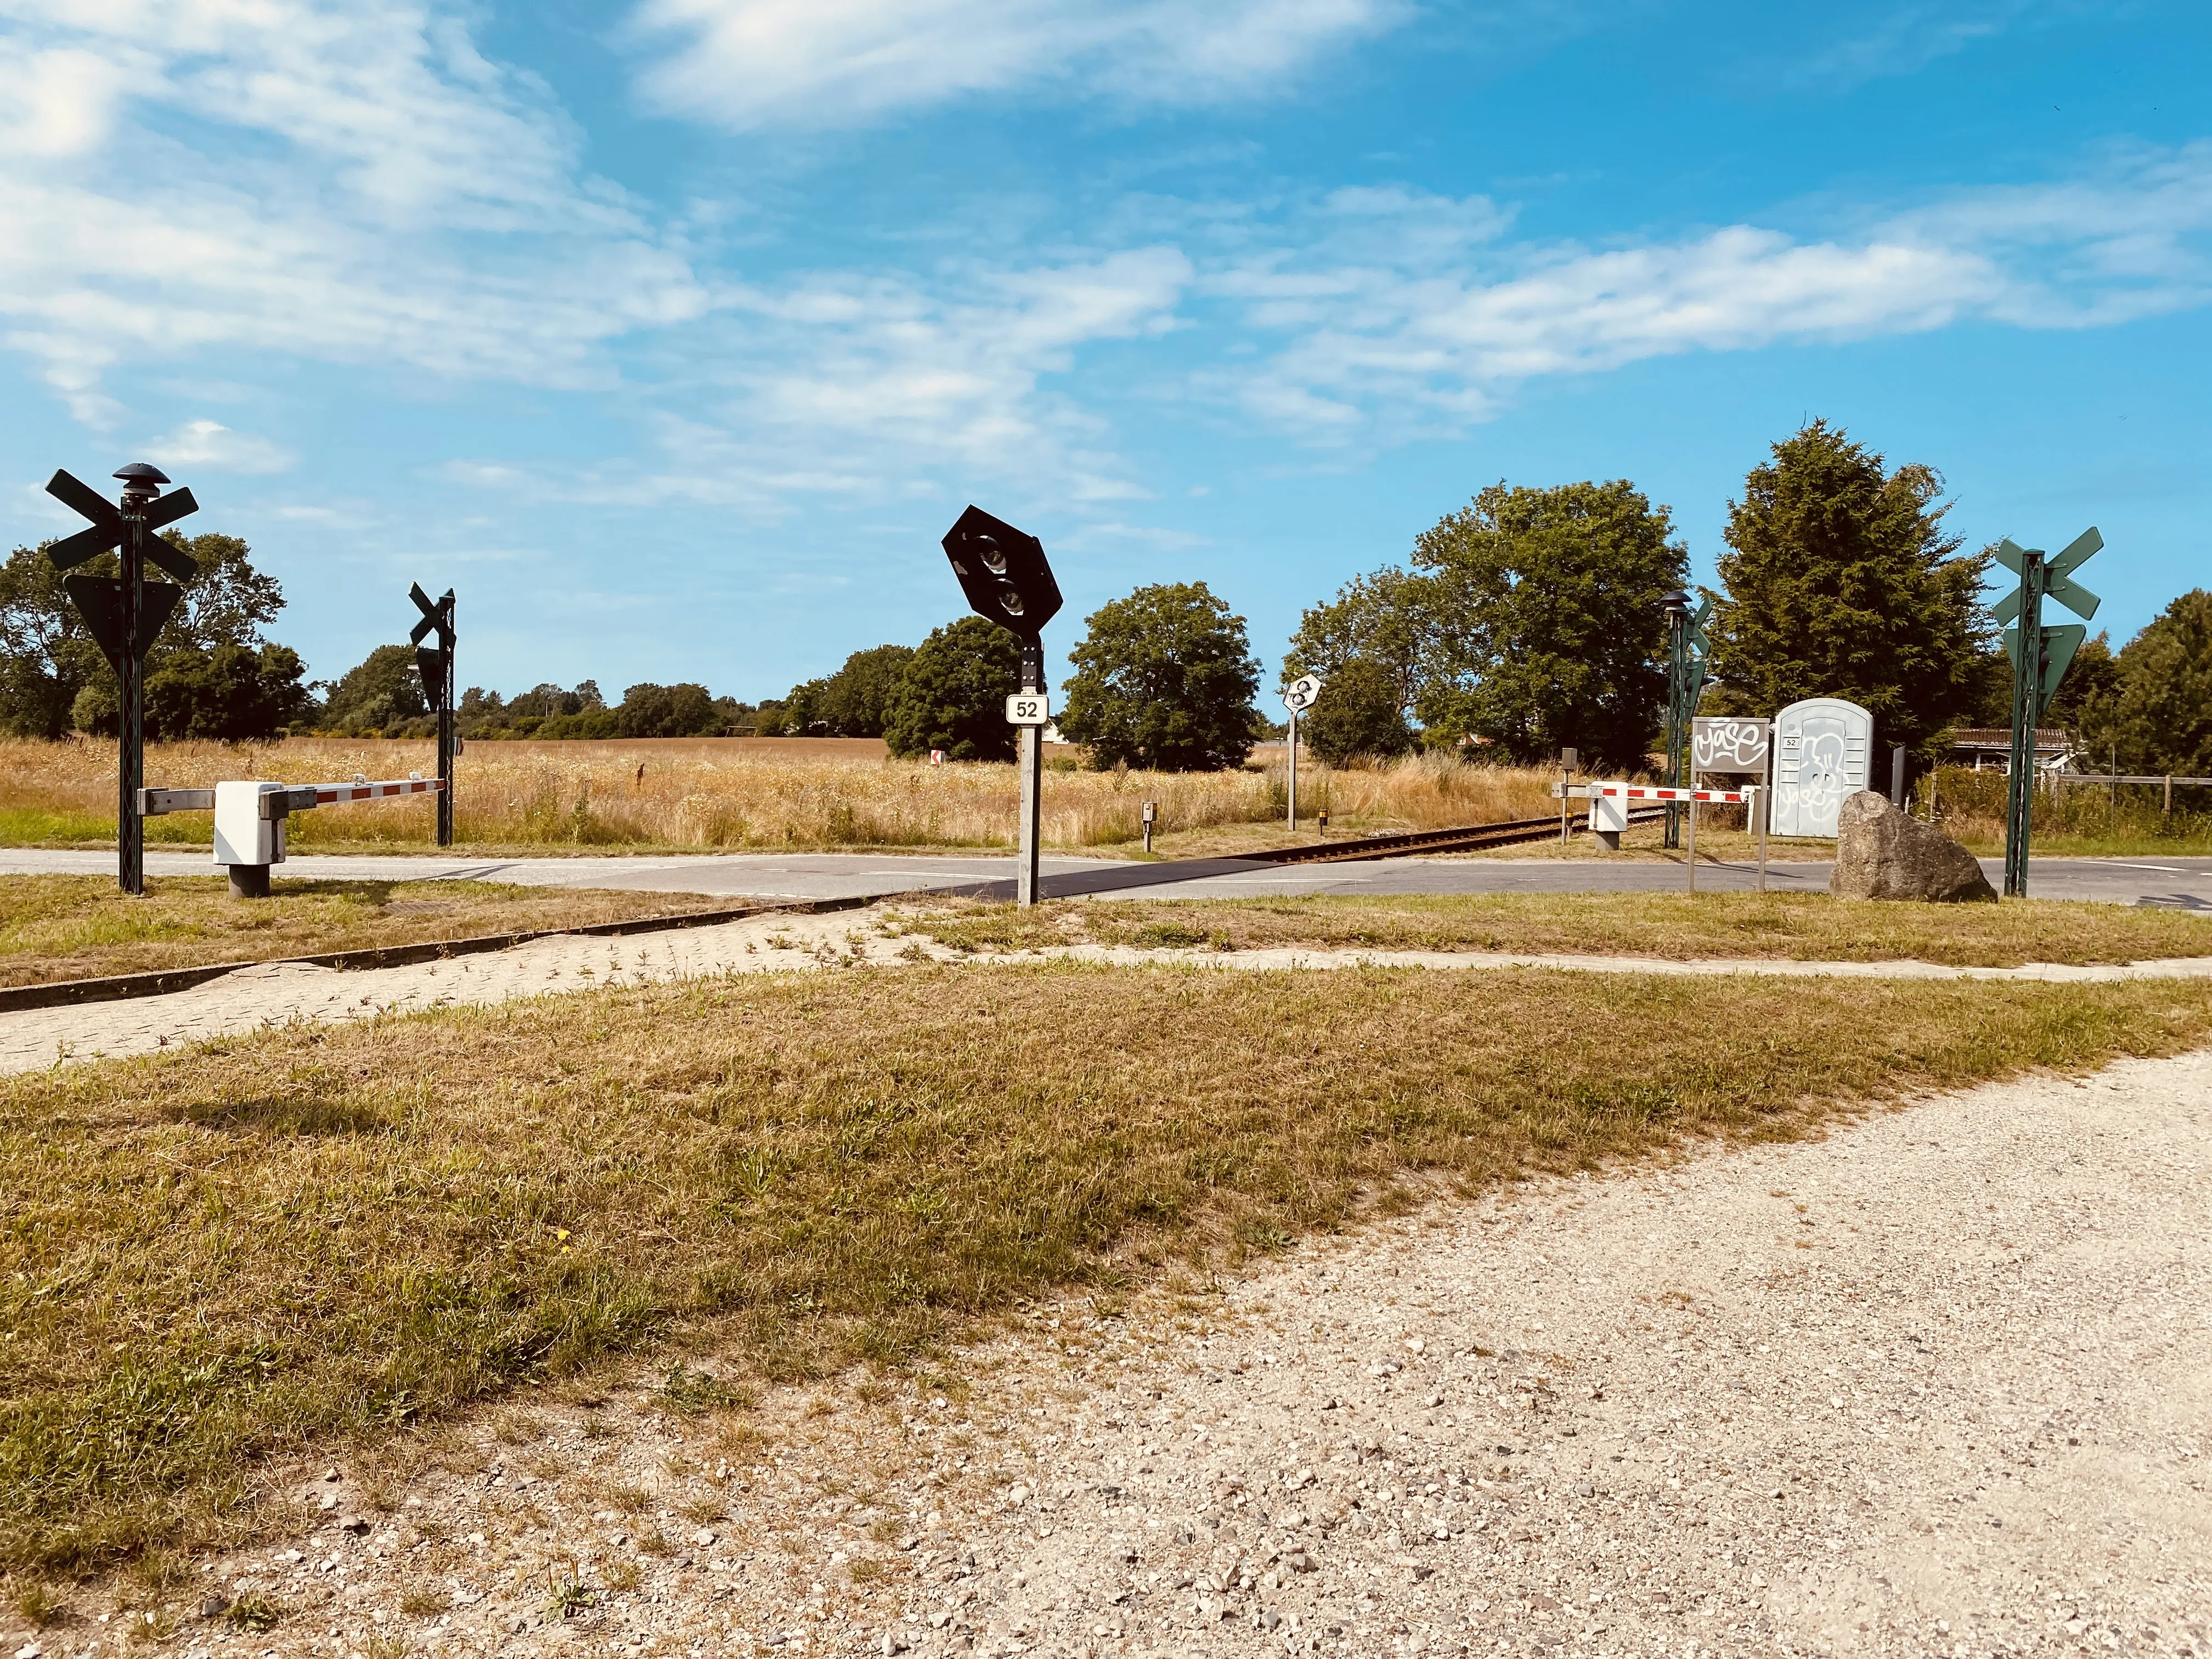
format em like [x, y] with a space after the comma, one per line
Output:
[2040, 657]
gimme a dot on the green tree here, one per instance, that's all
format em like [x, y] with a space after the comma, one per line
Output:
[1358, 716]
[667, 711]
[212, 673]
[1842, 582]
[1387, 620]
[1546, 607]
[2159, 713]
[856, 701]
[380, 691]
[1163, 680]
[952, 694]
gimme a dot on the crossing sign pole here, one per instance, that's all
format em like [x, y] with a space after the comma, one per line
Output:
[1299, 697]
[2040, 657]
[123, 613]
[435, 664]
[1006, 576]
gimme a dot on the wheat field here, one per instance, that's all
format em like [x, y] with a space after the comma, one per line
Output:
[733, 793]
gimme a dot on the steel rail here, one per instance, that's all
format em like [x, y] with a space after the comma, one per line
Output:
[1464, 838]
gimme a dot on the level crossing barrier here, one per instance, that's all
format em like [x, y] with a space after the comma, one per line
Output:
[1609, 805]
[250, 816]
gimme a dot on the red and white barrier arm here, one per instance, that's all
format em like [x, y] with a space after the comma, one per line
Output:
[1640, 791]
[335, 794]
[1652, 791]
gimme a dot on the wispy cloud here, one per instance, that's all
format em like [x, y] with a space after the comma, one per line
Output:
[344, 182]
[748, 65]
[870, 387]
[212, 445]
[1902, 40]
[1419, 334]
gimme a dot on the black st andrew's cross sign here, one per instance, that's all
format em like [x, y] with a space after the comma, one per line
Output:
[123, 614]
[434, 663]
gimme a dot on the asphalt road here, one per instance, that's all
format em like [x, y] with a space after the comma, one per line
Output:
[2180, 883]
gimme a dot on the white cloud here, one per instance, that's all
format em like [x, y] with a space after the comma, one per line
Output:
[1385, 332]
[866, 387]
[213, 447]
[347, 182]
[763, 64]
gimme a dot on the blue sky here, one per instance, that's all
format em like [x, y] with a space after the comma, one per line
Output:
[673, 334]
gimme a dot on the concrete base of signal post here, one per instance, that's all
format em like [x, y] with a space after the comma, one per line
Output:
[248, 881]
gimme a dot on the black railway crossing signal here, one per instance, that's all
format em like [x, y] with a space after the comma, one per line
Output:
[1006, 578]
[434, 663]
[2040, 656]
[123, 613]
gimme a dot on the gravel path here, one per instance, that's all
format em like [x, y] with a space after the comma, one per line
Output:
[1938, 1384]
[277, 993]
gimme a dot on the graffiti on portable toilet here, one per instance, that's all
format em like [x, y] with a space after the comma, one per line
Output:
[1822, 747]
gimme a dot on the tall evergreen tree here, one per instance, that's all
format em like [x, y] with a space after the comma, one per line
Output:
[1842, 581]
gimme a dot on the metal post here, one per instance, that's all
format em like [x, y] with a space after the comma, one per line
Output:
[1032, 765]
[131, 694]
[446, 735]
[1677, 621]
[2027, 714]
[1897, 775]
[2169, 794]
[1691, 858]
[1294, 771]
[1758, 809]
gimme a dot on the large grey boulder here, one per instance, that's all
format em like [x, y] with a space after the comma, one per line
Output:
[1883, 853]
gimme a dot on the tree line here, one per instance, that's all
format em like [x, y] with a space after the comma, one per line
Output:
[1526, 621]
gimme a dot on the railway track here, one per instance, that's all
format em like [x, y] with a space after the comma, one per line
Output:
[1466, 838]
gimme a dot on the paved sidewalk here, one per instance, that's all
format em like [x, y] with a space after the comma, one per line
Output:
[278, 993]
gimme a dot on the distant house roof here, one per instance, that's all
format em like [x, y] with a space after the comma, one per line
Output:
[2048, 739]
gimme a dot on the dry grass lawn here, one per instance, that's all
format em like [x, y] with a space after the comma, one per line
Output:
[1801, 926]
[56, 928]
[730, 793]
[323, 1236]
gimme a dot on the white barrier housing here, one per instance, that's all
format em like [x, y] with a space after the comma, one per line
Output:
[246, 831]
[249, 817]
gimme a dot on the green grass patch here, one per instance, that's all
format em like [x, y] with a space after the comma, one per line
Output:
[318, 1234]
[1799, 926]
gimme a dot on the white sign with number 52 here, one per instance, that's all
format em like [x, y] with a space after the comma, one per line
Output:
[1028, 708]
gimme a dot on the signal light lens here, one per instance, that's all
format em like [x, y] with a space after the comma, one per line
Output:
[993, 556]
[1012, 603]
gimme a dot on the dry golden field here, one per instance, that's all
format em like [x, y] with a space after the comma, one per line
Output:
[731, 794]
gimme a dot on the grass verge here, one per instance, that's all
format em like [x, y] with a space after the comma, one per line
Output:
[56, 928]
[318, 1234]
[1801, 926]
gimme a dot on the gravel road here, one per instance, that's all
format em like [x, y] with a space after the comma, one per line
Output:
[1938, 1384]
